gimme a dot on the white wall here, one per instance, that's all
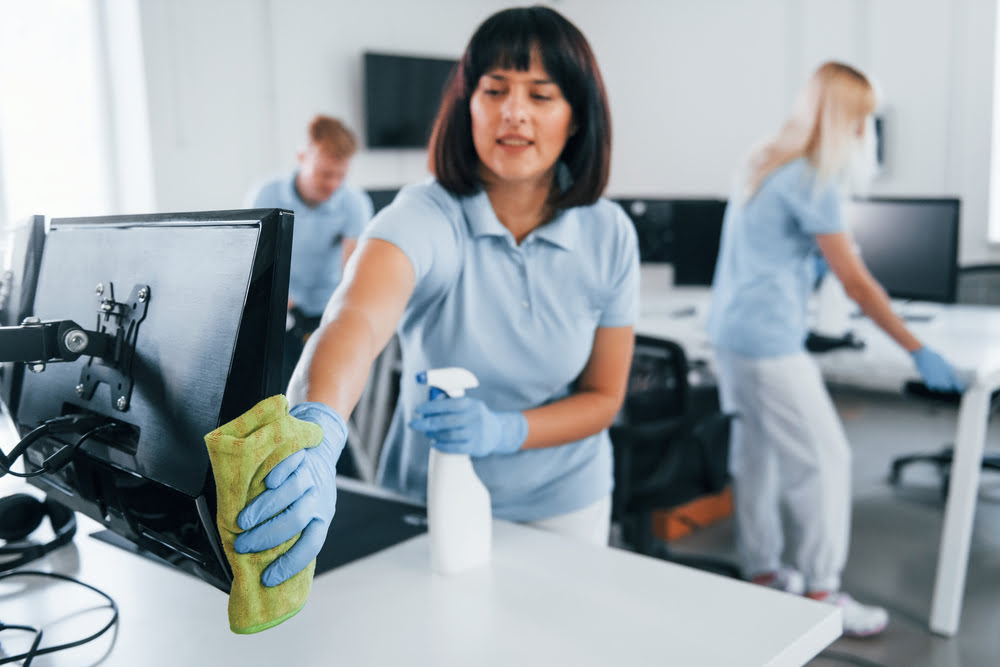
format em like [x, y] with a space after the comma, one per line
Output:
[692, 85]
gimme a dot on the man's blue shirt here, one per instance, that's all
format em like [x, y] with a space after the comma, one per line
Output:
[318, 232]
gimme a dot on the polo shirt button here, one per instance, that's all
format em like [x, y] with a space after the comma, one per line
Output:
[524, 303]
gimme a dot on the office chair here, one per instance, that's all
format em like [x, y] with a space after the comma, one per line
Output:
[670, 446]
[977, 285]
[369, 422]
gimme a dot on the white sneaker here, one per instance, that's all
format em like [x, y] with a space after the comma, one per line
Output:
[860, 620]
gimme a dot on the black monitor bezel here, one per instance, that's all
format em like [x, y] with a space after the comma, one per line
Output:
[953, 270]
[682, 274]
[272, 253]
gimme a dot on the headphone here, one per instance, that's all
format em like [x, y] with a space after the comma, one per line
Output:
[20, 515]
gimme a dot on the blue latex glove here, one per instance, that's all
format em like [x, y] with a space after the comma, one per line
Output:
[466, 426]
[301, 497]
[936, 372]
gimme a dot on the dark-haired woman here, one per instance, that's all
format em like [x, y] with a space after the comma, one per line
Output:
[506, 263]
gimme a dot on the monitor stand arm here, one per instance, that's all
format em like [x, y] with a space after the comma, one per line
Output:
[36, 342]
[110, 345]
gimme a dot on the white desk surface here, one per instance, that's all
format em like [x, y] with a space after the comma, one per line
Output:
[543, 600]
[968, 336]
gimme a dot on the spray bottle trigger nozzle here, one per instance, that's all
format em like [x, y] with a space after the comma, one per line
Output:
[422, 377]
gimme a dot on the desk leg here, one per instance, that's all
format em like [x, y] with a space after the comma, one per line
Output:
[956, 534]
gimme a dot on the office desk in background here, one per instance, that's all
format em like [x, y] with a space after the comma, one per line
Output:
[544, 600]
[968, 336]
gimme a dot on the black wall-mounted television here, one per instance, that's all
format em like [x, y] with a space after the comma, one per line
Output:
[402, 96]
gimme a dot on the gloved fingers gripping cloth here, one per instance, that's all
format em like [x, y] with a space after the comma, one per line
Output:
[242, 453]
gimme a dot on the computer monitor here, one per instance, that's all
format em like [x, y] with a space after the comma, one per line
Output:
[19, 259]
[697, 225]
[909, 245]
[203, 297]
[382, 198]
[653, 221]
[682, 232]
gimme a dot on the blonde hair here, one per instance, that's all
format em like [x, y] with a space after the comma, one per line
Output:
[821, 127]
[332, 136]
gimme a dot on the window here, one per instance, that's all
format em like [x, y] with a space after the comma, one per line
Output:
[53, 134]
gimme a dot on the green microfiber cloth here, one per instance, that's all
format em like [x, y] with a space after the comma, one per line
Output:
[242, 453]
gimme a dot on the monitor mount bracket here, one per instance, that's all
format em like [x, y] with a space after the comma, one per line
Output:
[110, 346]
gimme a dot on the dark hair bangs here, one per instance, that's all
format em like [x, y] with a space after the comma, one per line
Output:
[506, 40]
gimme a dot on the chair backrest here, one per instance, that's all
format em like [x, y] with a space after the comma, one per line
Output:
[657, 383]
[668, 447]
[979, 284]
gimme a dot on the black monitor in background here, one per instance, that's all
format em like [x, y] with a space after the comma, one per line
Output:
[201, 299]
[697, 229]
[909, 245]
[402, 96]
[653, 221]
[20, 256]
[382, 198]
[682, 232]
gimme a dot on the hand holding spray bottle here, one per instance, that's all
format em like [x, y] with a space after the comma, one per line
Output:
[459, 516]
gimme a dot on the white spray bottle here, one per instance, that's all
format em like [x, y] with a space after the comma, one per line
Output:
[459, 517]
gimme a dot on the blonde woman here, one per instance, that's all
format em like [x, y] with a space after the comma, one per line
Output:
[788, 447]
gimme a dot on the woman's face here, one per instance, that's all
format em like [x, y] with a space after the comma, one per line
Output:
[520, 123]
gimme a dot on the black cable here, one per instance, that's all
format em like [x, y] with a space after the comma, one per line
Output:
[35, 650]
[7, 460]
[34, 643]
[60, 457]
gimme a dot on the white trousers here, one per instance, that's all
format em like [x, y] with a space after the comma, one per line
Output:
[592, 524]
[787, 448]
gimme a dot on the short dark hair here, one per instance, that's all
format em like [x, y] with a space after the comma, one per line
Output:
[506, 40]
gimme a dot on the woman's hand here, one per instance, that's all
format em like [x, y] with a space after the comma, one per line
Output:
[937, 373]
[301, 497]
[466, 426]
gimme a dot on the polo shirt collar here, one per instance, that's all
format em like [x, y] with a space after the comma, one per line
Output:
[562, 231]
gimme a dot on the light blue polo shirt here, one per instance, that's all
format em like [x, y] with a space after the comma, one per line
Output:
[317, 251]
[522, 319]
[767, 262]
